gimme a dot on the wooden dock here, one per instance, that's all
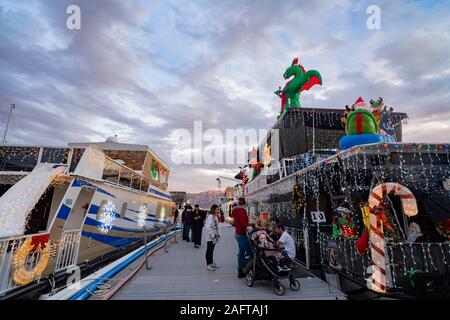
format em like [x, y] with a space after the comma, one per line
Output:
[181, 274]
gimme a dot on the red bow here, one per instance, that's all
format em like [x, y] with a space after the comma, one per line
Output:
[41, 240]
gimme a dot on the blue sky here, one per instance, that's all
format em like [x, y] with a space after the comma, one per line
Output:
[141, 69]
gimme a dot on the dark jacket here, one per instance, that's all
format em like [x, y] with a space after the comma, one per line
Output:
[200, 214]
[187, 217]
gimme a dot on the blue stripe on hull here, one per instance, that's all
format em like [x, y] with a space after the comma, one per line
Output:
[95, 223]
[116, 242]
[81, 183]
[63, 212]
[168, 197]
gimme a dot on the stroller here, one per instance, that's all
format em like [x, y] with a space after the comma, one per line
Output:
[263, 269]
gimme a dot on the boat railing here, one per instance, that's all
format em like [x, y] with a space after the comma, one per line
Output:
[427, 257]
[8, 249]
[401, 258]
[68, 249]
[341, 254]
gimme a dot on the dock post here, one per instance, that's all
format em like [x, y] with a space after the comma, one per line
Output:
[146, 250]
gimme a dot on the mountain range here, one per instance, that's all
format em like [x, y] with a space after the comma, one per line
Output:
[205, 199]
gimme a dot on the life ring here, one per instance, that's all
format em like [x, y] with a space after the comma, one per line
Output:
[21, 275]
[406, 196]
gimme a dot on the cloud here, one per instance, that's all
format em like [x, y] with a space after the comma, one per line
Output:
[144, 69]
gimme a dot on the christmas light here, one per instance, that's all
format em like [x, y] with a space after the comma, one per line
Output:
[142, 215]
[106, 217]
[38, 249]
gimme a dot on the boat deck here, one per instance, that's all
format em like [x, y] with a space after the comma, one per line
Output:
[181, 274]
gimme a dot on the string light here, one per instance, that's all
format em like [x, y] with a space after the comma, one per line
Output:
[15, 208]
[106, 217]
[39, 252]
[431, 257]
[142, 215]
[417, 166]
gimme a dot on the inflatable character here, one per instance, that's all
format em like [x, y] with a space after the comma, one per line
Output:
[361, 125]
[303, 80]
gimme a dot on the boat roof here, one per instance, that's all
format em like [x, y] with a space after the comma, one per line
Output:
[117, 146]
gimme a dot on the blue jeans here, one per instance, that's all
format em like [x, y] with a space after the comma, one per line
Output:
[186, 230]
[244, 250]
[286, 257]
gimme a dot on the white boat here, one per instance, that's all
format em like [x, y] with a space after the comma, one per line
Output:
[64, 207]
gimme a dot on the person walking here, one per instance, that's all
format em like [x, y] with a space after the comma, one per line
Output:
[212, 236]
[240, 224]
[197, 226]
[187, 219]
[175, 216]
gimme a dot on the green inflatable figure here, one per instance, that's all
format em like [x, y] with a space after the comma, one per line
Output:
[361, 120]
[303, 80]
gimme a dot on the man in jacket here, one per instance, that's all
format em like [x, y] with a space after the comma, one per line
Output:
[240, 224]
[197, 225]
[187, 219]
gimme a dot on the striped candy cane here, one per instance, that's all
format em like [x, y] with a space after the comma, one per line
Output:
[377, 251]
[406, 196]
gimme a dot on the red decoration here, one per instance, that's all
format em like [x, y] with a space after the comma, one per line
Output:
[359, 100]
[41, 241]
[362, 243]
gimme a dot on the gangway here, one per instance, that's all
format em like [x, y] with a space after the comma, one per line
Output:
[179, 272]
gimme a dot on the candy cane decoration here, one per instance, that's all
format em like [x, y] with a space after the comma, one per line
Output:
[377, 249]
[377, 245]
[406, 196]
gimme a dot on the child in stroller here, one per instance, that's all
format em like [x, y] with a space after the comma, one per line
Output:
[270, 250]
[268, 262]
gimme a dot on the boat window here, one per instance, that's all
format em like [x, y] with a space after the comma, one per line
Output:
[131, 159]
[124, 210]
[145, 185]
[76, 156]
[136, 182]
[125, 177]
[18, 158]
[55, 155]
[111, 172]
[101, 209]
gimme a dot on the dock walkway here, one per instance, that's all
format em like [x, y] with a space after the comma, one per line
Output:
[181, 274]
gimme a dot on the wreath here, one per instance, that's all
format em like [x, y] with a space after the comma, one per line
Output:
[20, 274]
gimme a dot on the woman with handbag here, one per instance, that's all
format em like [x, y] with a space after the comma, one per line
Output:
[212, 231]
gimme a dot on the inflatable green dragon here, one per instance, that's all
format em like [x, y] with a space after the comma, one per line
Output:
[303, 80]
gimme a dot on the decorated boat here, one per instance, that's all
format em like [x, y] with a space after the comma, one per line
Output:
[369, 213]
[80, 206]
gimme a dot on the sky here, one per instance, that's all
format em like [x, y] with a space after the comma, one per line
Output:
[142, 69]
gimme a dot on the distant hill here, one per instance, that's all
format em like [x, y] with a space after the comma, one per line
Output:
[205, 199]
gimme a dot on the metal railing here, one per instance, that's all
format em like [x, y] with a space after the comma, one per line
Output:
[426, 257]
[68, 248]
[400, 259]
[347, 259]
[8, 248]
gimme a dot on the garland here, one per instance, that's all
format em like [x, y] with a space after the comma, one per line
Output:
[298, 199]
